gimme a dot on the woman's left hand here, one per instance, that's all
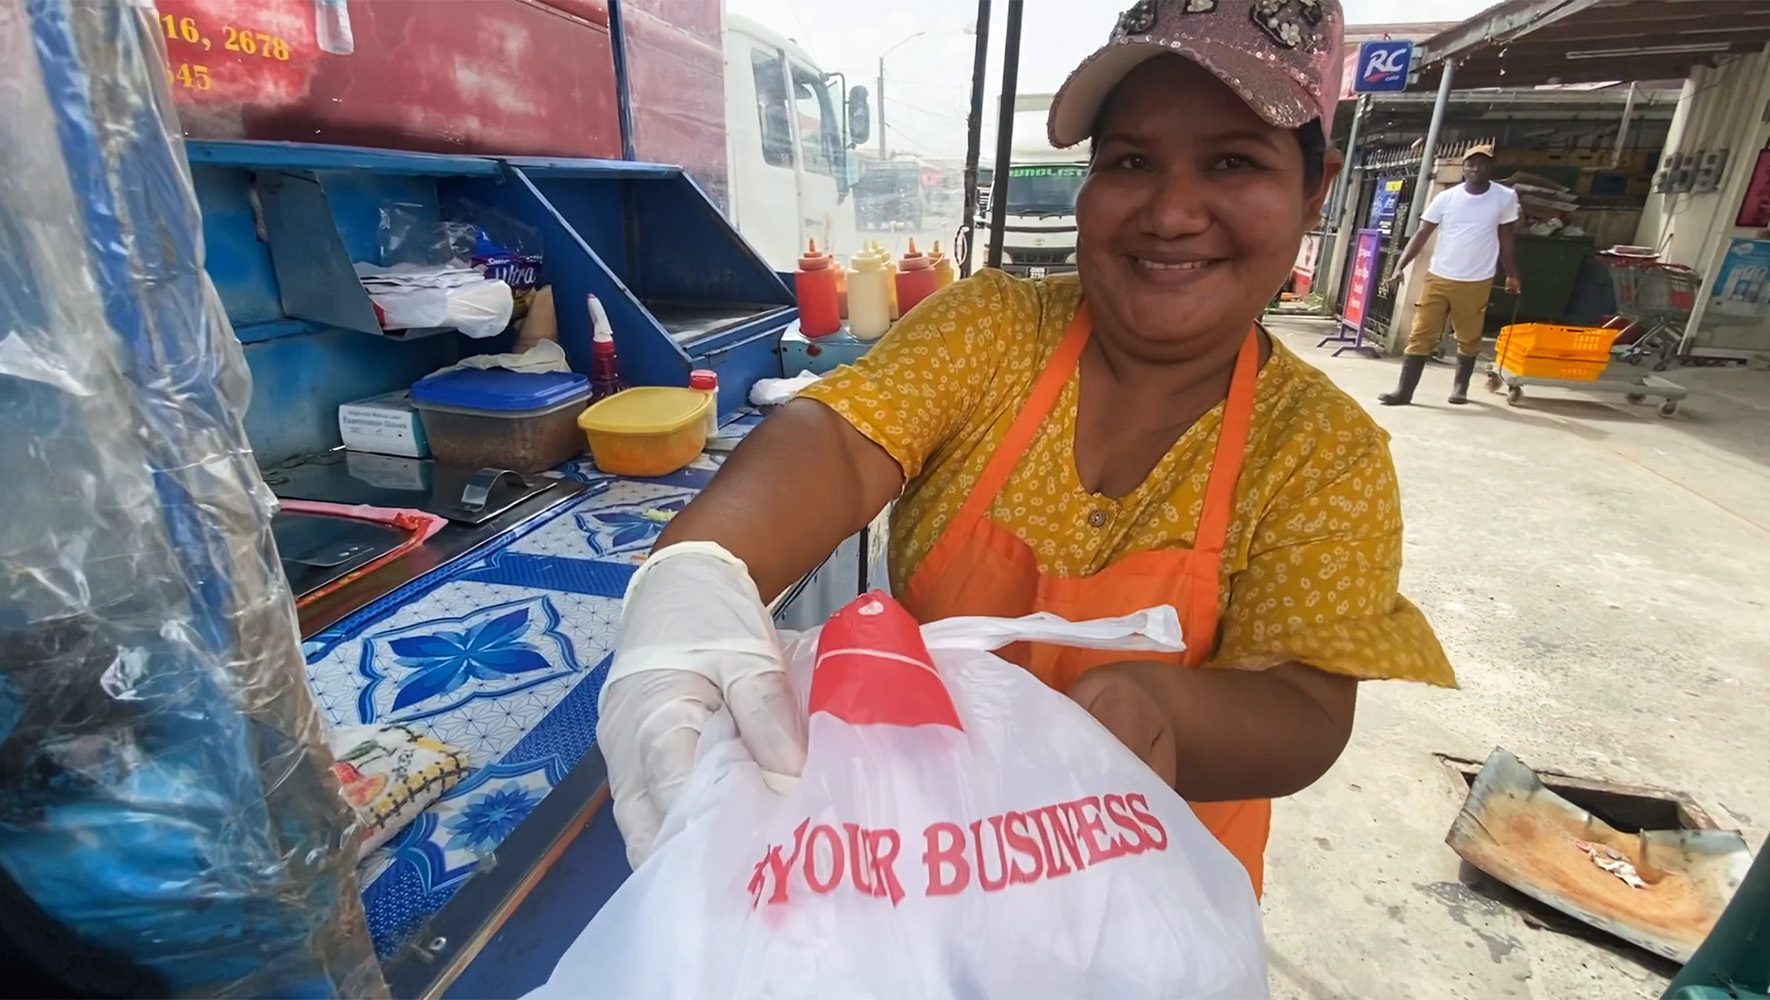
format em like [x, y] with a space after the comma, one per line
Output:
[1217, 735]
[1125, 698]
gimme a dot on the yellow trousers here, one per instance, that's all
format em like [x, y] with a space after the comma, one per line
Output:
[1465, 302]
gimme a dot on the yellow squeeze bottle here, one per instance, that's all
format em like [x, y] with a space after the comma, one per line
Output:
[943, 267]
[890, 278]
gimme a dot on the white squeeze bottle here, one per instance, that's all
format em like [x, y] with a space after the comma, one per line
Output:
[869, 296]
[890, 278]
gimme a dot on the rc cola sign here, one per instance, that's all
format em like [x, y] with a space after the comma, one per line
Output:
[1383, 66]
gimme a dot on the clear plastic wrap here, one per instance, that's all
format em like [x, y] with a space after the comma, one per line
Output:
[168, 820]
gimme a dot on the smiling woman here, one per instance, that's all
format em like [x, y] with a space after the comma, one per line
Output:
[1090, 446]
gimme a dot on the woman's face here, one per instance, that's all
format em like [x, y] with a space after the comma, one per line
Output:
[1192, 211]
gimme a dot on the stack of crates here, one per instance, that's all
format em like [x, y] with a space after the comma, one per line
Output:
[1545, 350]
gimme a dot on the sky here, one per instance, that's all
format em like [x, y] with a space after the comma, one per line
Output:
[928, 78]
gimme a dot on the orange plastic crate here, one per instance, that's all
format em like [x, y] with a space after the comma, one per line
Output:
[1562, 343]
[1526, 366]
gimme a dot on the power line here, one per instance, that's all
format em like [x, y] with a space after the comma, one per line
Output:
[926, 111]
[957, 86]
[920, 145]
[804, 32]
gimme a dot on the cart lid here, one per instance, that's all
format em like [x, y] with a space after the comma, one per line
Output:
[499, 390]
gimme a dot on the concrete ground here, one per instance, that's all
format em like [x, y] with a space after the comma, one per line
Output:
[1600, 578]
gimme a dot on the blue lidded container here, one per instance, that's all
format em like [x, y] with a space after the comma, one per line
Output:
[496, 418]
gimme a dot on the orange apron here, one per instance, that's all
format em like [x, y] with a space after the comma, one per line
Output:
[978, 567]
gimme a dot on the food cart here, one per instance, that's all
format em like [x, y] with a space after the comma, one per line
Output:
[184, 320]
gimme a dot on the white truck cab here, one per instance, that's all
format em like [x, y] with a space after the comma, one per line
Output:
[1040, 184]
[789, 132]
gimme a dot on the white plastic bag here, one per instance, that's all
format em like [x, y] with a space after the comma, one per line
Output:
[960, 830]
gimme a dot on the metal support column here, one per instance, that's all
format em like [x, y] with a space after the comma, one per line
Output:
[1622, 131]
[1429, 155]
[1335, 211]
[998, 198]
[963, 244]
[617, 31]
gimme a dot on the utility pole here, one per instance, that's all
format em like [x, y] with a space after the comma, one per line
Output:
[882, 154]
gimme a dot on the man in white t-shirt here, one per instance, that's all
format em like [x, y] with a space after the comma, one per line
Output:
[1474, 222]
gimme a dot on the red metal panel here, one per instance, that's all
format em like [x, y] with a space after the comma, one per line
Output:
[530, 77]
[676, 77]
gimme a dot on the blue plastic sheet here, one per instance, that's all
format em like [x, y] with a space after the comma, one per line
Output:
[164, 792]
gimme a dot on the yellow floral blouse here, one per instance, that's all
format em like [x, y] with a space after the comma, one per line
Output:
[1311, 563]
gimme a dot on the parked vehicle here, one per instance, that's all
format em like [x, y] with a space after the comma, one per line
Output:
[889, 196]
[747, 112]
[790, 128]
[1039, 233]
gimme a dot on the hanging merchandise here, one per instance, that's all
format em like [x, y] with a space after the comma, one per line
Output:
[1002, 843]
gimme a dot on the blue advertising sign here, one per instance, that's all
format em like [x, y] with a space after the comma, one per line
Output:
[1385, 203]
[1383, 66]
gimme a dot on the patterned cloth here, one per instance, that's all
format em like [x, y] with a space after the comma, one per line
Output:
[501, 656]
[1312, 562]
[391, 774]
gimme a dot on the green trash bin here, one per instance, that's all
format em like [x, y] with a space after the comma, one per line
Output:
[1734, 960]
[1549, 268]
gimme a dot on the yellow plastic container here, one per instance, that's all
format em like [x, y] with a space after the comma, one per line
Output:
[1548, 350]
[647, 432]
[1551, 340]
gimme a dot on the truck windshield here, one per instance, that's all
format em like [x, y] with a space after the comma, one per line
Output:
[1044, 190]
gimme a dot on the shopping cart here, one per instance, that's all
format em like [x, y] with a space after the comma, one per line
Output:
[1653, 303]
[1569, 357]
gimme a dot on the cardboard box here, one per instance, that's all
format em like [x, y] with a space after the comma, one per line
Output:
[385, 425]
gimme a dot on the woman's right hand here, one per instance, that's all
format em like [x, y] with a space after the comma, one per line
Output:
[694, 638]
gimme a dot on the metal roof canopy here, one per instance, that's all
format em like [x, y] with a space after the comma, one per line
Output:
[1527, 43]
[1414, 109]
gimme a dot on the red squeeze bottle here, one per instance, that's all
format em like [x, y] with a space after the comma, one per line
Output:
[605, 373]
[916, 279]
[820, 313]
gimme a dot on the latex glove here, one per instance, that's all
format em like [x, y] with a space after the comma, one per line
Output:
[1127, 698]
[694, 638]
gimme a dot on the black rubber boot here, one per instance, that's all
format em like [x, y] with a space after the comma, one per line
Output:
[1412, 367]
[1459, 393]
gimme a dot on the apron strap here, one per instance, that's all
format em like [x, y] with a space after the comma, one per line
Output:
[1045, 393]
[1232, 445]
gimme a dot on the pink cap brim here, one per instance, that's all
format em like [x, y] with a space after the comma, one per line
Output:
[1272, 93]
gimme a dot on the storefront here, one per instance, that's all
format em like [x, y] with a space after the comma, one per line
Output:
[1721, 226]
[1583, 99]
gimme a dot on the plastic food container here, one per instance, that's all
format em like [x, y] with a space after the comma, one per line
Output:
[523, 421]
[647, 432]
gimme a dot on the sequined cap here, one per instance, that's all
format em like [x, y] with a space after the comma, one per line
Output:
[1283, 57]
